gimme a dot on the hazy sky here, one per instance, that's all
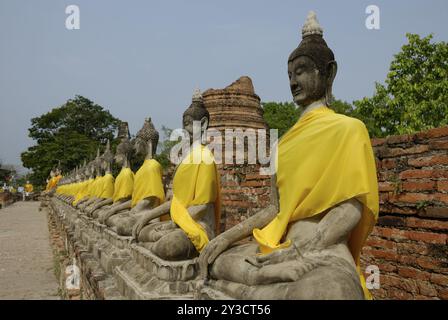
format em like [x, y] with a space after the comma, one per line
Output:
[145, 58]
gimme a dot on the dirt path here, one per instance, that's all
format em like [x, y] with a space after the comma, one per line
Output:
[26, 259]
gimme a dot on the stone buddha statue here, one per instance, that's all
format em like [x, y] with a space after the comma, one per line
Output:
[195, 204]
[85, 185]
[147, 191]
[124, 183]
[324, 200]
[107, 186]
[96, 184]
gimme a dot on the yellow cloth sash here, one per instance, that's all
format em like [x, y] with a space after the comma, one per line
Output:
[124, 185]
[323, 160]
[29, 187]
[82, 190]
[148, 182]
[95, 186]
[195, 184]
[107, 187]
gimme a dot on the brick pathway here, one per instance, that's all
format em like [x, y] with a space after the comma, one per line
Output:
[26, 259]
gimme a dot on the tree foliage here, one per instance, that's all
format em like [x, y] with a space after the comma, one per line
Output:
[415, 94]
[283, 115]
[68, 134]
[280, 115]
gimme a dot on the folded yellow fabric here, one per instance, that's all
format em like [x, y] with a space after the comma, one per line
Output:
[148, 182]
[195, 183]
[124, 185]
[107, 187]
[323, 160]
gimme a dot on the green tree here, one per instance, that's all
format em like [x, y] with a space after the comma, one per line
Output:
[67, 134]
[280, 115]
[415, 94]
[163, 157]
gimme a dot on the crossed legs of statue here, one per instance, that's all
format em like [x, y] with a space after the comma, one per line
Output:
[167, 241]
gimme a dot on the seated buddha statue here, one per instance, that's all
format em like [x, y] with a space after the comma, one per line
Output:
[324, 199]
[96, 184]
[85, 185]
[124, 183]
[195, 205]
[147, 191]
[106, 189]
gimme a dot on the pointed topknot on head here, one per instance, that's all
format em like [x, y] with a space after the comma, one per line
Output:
[311, 26]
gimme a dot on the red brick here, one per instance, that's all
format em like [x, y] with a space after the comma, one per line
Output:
[388, 163]
[412, 248]
[377, 141]
[442, 293]
[441, 197]
[433, 133]
[428, 263]
[442, 185]
[397, 152]
[440, 279]
[427, 224]
[426, 289]
[411, 197]
[386, 186]
[413, 273]
[398, 294]
[428, 237]
[435, 212]
[418, 186]
[401, 283]
[386, 267]
[437, 145]
[401, 210]
[417, 174]
[380, 243]
[382, 254]
[383, 197]
[254, 183]
[428, 161]
[399, 139]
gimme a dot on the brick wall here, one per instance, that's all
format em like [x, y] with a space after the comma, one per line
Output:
[409, 243]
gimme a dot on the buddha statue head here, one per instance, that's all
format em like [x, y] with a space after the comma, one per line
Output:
[107, 158]
[97, 163]
[311, 66]
[196, 113]
[124, 148]
[146, 140]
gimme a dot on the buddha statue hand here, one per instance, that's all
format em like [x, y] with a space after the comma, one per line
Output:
[275, 257]
[141, 223]
[210, 252]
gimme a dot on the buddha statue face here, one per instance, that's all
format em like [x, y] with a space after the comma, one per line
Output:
[307, 83]
[195, 114]
[123, 151]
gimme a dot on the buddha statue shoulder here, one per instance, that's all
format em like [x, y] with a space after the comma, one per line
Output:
[324, 199]
[195, 205]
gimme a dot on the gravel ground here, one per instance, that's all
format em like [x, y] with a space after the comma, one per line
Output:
[26, 259]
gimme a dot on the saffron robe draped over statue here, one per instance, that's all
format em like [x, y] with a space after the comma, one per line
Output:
[124, 185]
[148, 182]
[83, 190]
[107, 186]
[323, 160]
[195, 183]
